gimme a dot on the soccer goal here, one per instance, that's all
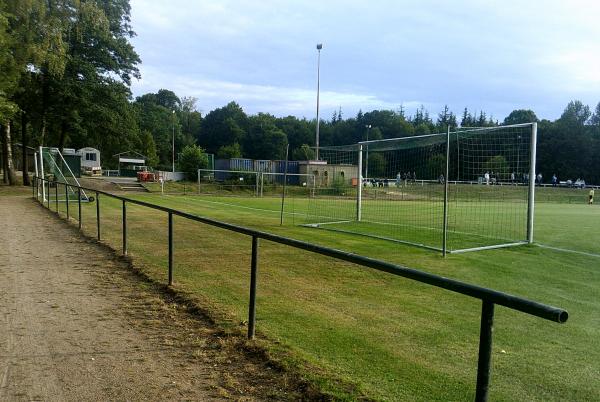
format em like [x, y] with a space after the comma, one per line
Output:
[453, 192]
[50, 164]
[228, 182]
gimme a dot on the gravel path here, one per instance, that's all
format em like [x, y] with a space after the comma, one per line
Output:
[76, 324]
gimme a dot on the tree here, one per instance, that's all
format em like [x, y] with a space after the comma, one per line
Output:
[264, 139]
[576, 114]
[223, 126]
[192, 158]
[446, 119]
[467, 119]
[520, 116]
[230, 151]
[595, 120]
[148, 148]
[304, 153]
[298, 131]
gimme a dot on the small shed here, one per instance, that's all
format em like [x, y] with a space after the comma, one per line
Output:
[90, 160]
[130, 163]
[326, 174]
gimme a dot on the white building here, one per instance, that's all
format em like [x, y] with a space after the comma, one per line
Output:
[90, 161]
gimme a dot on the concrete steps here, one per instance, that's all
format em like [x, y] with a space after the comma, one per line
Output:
[130, 185]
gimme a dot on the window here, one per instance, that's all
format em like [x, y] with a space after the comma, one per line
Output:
[90, 156]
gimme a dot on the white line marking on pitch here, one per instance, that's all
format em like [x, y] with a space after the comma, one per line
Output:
[566, 250]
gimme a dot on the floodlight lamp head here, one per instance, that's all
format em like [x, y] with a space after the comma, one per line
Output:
[319, 46]
[368, 126]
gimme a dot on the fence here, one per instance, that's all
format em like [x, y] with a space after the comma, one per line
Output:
[489, 298]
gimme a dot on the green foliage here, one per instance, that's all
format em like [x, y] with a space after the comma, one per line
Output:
[339, 184]
[304, 153]
[230, 151]
[148, 148]
[264, 140]
[192, 158]
[499, 166]
[377, 165]
[223, 126]
[520, 116]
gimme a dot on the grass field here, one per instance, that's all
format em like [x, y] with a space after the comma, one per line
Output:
[392, 338]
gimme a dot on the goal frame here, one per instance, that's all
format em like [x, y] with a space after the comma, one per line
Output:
[443, 248]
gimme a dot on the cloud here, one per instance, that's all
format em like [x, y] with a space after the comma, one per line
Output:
[493, 55]
[278, 100]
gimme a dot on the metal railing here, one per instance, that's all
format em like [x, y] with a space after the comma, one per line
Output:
[488, 297]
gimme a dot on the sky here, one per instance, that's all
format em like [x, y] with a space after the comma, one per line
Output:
[495, 56]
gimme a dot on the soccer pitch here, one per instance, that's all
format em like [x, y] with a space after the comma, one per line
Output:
[392, 338]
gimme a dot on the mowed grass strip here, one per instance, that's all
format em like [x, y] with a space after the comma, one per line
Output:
[394, 338]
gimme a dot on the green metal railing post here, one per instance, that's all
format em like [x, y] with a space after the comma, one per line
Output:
[98, 214]
[67, 198]
[485, 351]
[79, 205]
[124, 218]
[170, 248]
[252, 304]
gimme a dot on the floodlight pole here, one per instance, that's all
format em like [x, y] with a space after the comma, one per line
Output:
[319, 47]
[173, 121]
[531, 198]
[368, 127]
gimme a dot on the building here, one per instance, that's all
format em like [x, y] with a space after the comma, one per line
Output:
[90, 161]
[326, 174]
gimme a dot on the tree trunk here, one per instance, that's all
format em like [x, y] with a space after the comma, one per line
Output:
[4, 167]
[63, 136]
[24, 141]
[9, 163]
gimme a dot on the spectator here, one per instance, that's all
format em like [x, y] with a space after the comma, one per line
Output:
[487, 178]
[554, 180]
[539, 178]
[591, 196]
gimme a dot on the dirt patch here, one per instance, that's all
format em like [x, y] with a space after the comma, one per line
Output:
[78, 324]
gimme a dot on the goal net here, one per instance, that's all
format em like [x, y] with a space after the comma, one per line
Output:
[453, 192]
[271, 184]
[228, 182]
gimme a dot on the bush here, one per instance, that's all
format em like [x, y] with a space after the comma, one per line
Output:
[192, 158]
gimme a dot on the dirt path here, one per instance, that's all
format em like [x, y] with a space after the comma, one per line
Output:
[76, 324]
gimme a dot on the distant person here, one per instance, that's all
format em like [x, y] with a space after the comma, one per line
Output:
[512, 178]
[441, 179]
[486, 176]
[554, 180]
[398, 179]
[591, 197]
[539, 178]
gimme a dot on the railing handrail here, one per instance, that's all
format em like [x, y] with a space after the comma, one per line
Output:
[524, 305]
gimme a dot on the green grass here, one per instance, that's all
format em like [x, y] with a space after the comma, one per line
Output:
[394, 338]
